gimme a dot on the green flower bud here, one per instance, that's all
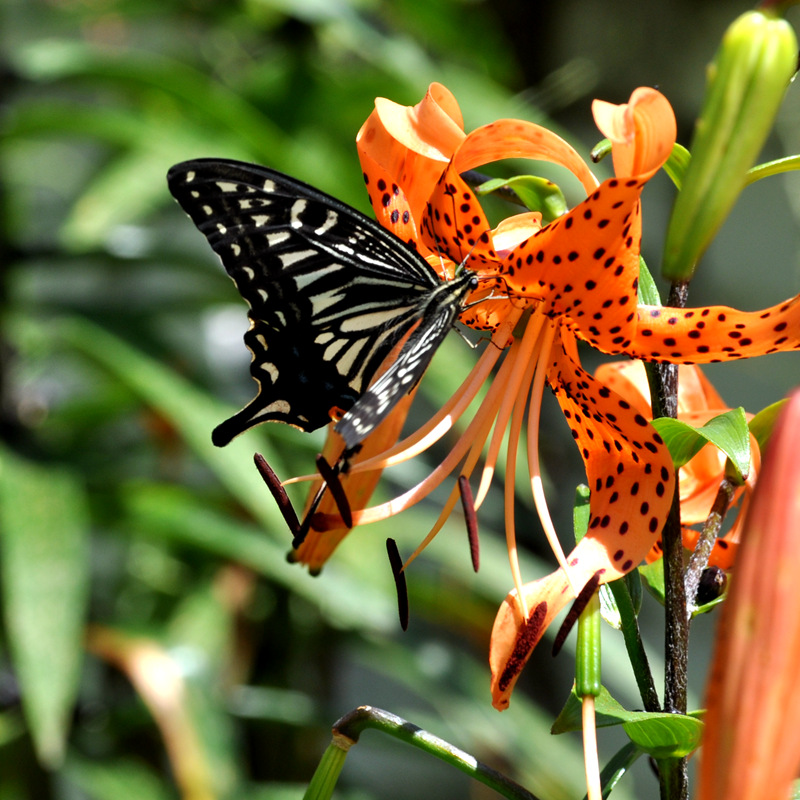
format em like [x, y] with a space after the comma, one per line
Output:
[746, 83]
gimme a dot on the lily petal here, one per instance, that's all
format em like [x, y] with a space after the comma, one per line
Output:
[403, 150]
[642, 132]
[751, 747]
[630, 474]
[323, 537]
[714, 333]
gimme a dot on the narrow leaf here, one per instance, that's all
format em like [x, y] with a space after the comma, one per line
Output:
[677, 164]
[45, 590]
[647, 291]
[653, 577]
[110, 780]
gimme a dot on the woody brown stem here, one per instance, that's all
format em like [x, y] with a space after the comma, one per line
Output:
[674, 778]
[711, 529]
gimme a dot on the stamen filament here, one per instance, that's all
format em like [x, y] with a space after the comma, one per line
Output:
[509, 486]
[466, 441]
[590, 756]
[520, 355]
[486, 416]
[534, 414]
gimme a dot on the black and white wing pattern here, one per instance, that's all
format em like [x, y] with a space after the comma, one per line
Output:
[330, 293]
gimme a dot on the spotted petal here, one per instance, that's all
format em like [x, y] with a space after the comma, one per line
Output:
[408, 147]
[700, 478]
[714, 333]
[632, 482]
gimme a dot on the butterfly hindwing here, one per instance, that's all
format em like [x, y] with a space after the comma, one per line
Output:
[330, 291]
[405, 372]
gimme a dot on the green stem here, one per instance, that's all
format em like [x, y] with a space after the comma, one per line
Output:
[350, 726]
[634, 645]
[325, 776]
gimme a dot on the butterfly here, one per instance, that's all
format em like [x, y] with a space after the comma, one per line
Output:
[330, 291]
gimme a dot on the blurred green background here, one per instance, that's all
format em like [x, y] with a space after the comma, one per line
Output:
[210, 667]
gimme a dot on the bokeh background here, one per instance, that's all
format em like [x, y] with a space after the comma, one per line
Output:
[155, 643]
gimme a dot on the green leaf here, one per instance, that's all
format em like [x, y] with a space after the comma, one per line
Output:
[708, 607]
[192, 413]
[214, 103]
[174, 515]
[665, 735]
[607, 712]
[608, 607]
[647, 291]
[581, 511]
[536, 194]
[110, 780]
[44, 538]
[728, 431]
[617, 766]
[762, 423]
[677, 164]
[776, 167]
[12, 726]
[660, 734]
[653, 577]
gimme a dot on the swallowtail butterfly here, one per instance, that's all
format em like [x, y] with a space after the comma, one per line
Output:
[330, 293]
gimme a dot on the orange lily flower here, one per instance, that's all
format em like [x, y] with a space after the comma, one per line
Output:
[412, 160]
[575, 278]
[751, 746]
[699, 480]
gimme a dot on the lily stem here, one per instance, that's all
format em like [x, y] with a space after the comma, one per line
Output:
[674, 777]
[633, 644]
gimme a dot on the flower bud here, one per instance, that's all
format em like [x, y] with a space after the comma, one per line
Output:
[746, 83]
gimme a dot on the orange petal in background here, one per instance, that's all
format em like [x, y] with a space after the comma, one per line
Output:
[751, 748]
[642, 132]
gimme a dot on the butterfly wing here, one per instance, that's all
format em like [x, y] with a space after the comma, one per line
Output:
[330, 291]
[440, 312]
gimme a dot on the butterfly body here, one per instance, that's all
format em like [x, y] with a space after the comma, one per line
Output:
[331, 293]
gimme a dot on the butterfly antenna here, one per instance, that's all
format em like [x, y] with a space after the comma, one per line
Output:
[278, 492]
[396, 564]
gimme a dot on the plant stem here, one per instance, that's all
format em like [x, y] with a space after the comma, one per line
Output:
[676, 645]
[634, 646]
[673, 772]
[699, 559]
[351, 725]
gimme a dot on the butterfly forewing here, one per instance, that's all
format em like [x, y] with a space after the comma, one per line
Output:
[330, 291]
